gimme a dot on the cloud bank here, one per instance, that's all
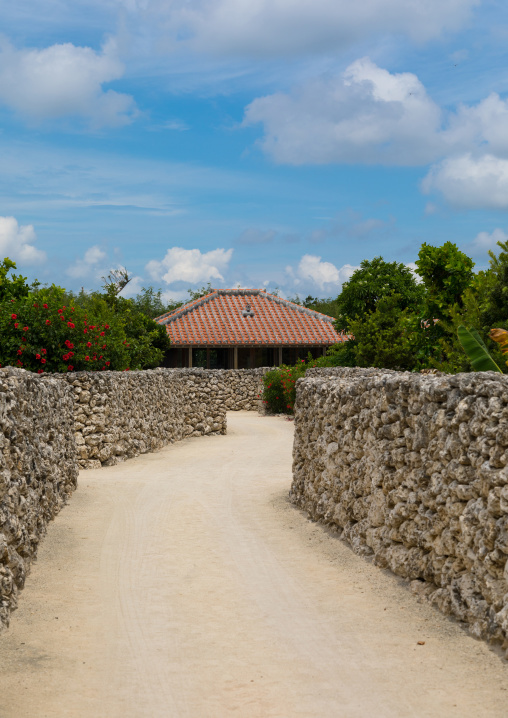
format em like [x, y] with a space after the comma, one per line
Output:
[368, 115]
[190, 265]
[63, 81]
[17, 242]
[257, 28]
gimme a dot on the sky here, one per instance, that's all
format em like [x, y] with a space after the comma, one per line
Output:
[254, 143]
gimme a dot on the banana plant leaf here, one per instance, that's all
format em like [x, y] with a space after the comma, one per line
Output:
[476, 350]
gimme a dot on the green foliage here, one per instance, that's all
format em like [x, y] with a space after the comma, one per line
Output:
[342, 354]
[198, 293]
[494, 308]
[279, 391]
[446, 273]
[328, 306]
[147, 341]
[42, 334]
[476, 350]
[12, 287]
[150, 303]
[273, 392]
[374, 280]
[388, 337]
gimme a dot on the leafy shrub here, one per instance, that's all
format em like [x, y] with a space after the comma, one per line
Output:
[273, 392]
[388, 337]
[342, 354]
[42, 334]
[279, 392]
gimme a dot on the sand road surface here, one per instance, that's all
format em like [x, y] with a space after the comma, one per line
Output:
[183, 584]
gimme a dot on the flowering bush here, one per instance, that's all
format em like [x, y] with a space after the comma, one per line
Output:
[273, 392]
[279, 391]
[42, 334]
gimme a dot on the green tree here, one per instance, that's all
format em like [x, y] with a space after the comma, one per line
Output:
[14, 286]
[388, 337]
[446, 273]
[374, 280]
[150, 303]
[494, 302]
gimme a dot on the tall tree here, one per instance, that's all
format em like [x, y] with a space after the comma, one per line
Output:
[374, 280]
[446, 273]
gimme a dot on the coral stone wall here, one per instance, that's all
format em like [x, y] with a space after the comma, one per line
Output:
[52, 425]
[38, 470]
[413, 470]
[119, 415]
[241, 388]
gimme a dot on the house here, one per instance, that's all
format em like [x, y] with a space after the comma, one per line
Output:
[245, 329]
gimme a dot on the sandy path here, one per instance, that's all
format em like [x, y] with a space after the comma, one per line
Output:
[182, 584]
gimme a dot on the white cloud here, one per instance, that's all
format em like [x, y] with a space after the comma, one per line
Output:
[175, 296]
[63, 81]
[88, 265]
[369, 115]
[16, 242]
[312, 271]
[485, 240]
[190, 265]
[285, 27]
[470, 182]
[364, 115]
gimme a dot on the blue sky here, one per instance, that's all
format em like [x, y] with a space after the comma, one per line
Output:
[249, 142]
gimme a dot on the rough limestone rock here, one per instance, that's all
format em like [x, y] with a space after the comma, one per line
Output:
[38, 470]
[119, 415]
[413, 470]
[52, 425]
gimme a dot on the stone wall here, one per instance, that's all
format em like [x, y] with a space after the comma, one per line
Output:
[119, 415]
[241, 388]
[38, 470]
[52, 425]
[413, 470]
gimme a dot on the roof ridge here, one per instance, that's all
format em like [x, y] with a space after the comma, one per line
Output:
[180, 311]
[239, 291]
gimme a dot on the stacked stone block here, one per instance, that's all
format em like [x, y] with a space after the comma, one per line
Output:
[38, 470]
[413, 470]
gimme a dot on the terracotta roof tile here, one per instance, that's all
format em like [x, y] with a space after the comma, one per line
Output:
[217, 320]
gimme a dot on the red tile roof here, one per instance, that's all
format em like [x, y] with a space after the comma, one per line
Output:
[217, 320]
